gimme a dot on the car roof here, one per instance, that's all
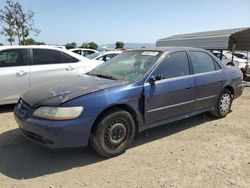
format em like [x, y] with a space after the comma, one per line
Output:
[165, 49]
[109, 52]
[29, 46]
[83, 49]
[79, 57]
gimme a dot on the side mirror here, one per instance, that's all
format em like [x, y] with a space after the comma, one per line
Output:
[152, 80]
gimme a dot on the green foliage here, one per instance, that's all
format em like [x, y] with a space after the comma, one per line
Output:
[71, 45]
[8, 21]
[16, 22]
[84, 45]
[1, 44]
[91, 45]
[31, 41]
[119, 45]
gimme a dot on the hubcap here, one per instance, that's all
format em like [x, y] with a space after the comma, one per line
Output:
[225, 103]
[115, 133]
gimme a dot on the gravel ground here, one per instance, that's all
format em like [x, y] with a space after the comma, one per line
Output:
[197, 152]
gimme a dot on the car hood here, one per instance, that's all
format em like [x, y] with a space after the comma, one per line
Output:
[58, 91]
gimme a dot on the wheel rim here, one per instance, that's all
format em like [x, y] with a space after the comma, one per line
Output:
[116, 133]
[225, 103]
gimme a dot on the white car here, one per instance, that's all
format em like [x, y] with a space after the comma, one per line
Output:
[22, 67]
[225, 60]
[103, 56]
[83, 51]
[239, 58]
[242, 55]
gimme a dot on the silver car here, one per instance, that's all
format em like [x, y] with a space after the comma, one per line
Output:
[22, 67]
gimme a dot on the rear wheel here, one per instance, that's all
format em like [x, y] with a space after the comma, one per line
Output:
[230, 64]
[113, 133]
[223, 105]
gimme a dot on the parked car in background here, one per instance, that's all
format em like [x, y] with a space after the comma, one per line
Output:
[22, 67]
[104, 55]
[241, 55]
[224, 60]
[137, 90]
[240, 60]
[83, 51]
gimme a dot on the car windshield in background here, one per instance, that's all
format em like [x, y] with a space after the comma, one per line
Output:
[94, 55]
[128, 66]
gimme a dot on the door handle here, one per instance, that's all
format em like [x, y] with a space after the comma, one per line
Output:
[221, 81]
[189, 87]
[21, 73]
[70, 68]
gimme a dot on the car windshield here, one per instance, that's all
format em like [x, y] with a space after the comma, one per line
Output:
[128, 66]
[94, 55]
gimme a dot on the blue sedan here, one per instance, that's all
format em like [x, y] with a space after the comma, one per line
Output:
[136, 90]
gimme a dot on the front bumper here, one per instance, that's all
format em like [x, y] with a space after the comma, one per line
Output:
[55, 134]
[239, 90]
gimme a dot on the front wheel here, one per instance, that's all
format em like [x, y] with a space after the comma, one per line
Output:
[113, 133]
[223, 105]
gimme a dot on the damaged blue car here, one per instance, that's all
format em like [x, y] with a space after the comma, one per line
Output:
[136, 90]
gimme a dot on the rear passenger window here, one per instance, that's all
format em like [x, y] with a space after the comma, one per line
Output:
[44, 57]
[47, 56]
[175, 65]
[77, 52]
[202, 62]
[13, 57]
[68, 59]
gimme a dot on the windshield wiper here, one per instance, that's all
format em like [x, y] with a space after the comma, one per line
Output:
[104, 76]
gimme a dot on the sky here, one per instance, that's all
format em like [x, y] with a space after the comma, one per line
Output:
[131, 21]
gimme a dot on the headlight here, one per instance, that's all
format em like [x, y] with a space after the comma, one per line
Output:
[58, 113]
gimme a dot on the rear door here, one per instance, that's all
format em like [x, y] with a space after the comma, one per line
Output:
[173, 93]
[14, 74]
[48, 64]
[209, 79]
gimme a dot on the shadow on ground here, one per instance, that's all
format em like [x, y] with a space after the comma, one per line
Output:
[20, 158]
[7, 108]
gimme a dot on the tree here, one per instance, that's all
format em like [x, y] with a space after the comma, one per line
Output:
[84, 45]
[119, 45]
[24, 23]
[71, 45]
[16, 22]
[91, 45]
[8, 21]
[31, 41]
[1, 44]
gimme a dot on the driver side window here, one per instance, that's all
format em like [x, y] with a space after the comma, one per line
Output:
[174, 65]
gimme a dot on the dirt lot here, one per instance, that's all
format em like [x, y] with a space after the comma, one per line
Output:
[197, 152]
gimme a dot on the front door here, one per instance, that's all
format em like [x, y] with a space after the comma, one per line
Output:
[173, 91]
[14, 74]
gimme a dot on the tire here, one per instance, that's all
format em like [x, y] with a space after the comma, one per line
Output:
[223, 105]
[230, 64]
[113, 133]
